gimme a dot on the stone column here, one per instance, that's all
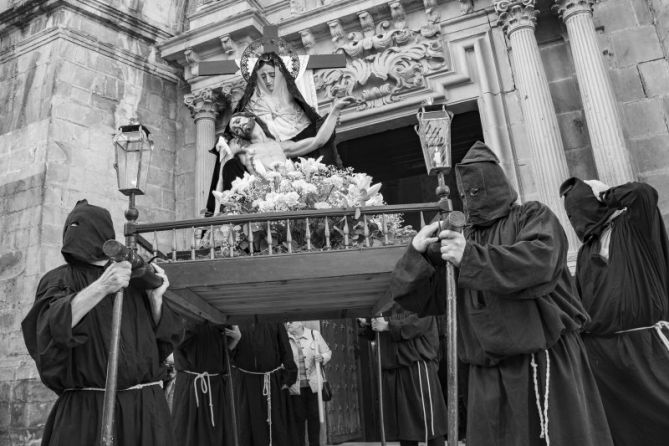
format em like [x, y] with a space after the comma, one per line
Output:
[599, 101]
[204, 105]
[549, 164]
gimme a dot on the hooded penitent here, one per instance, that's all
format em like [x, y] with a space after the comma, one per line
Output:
[86, 229]
[516, 308]
[70, 357]
[587, 215]
[485, 191]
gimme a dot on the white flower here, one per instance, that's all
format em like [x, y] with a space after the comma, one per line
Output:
[310, 166]
[335, 180]
[303, 187]
[241, 185]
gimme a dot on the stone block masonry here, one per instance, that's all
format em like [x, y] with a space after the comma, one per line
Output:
[67, 81]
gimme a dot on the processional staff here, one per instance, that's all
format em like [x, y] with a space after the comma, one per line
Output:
[133, 147]
[434, 130]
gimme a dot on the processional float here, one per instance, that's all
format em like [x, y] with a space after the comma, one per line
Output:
[211, 281]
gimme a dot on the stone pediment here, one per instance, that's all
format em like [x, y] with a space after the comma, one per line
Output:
[390, 45]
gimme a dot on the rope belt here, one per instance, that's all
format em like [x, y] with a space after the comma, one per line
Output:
[422, 399]
[266, 392]
[102, 389]
[204, 379]
[658, 329]
[543, 412]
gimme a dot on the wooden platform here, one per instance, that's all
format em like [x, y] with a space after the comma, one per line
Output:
[303, 286]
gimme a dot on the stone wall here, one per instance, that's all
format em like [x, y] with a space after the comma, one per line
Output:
[67, 81]
[634, 43]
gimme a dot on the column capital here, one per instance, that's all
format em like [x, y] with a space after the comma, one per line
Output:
[515, 15]
[569, 8]
[206, 103]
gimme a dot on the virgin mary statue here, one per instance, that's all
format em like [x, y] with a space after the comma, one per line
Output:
[272, 95]
[281, 111]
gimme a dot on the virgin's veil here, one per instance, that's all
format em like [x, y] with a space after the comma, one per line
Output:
[284, 111]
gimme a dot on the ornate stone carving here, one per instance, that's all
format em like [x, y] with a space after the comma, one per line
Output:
[466, 6]
[233, 92]
[308, 40]
[229, 46]
[206, 103]
[398, 14]
[336, 31]
[367, 23]
[384, 60]
[385, 75]
[516, 14]
[193, 59]
[569, 8]
[433, 26]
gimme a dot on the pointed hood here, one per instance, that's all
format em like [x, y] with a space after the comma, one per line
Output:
[587, 215]
[485, 191]
[86, 229]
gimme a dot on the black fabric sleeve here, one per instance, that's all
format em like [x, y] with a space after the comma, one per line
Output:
[409, 328]
[289, 375]
[526, 268]
[417, 285]
[48, 332]
[170, 331]
[640, 199]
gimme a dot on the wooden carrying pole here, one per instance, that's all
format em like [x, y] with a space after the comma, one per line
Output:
[379, 370]
[319, 381]
[231, 393]
[455, 221]
[109, 404]
[452, 356]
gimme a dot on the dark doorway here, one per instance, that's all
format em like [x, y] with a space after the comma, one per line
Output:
[395, 159]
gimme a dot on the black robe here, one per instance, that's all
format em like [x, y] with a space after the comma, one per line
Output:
[630, 290]
[264, 347]
[70, 358]
[515, 300]
[516, 307]
[413, 399]
[201, 350]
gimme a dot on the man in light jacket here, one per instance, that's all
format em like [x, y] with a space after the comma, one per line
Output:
[309, 347]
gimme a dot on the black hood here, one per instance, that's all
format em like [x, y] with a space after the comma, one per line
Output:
[587, 215]
[86, 229]
[485, 191]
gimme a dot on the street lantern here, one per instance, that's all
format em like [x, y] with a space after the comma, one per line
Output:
[133, 147]
[434, 131]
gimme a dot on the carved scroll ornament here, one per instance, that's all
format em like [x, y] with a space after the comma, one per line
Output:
[386, 62]
[389, 73]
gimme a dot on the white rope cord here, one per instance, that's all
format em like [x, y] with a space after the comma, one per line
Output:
[543, 413]
[422, 400]
[429, 394]
[102, 389]
[204, 379]
[658, 327]
[266, 392]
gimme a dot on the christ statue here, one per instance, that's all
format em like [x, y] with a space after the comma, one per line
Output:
[257, 152]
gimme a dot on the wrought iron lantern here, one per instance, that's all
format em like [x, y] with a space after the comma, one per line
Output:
[434, 131]
[133, 147]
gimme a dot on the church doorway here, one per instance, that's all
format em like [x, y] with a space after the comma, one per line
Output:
[394, 158]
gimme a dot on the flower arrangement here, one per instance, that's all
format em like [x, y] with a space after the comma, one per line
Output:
[301, 185]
